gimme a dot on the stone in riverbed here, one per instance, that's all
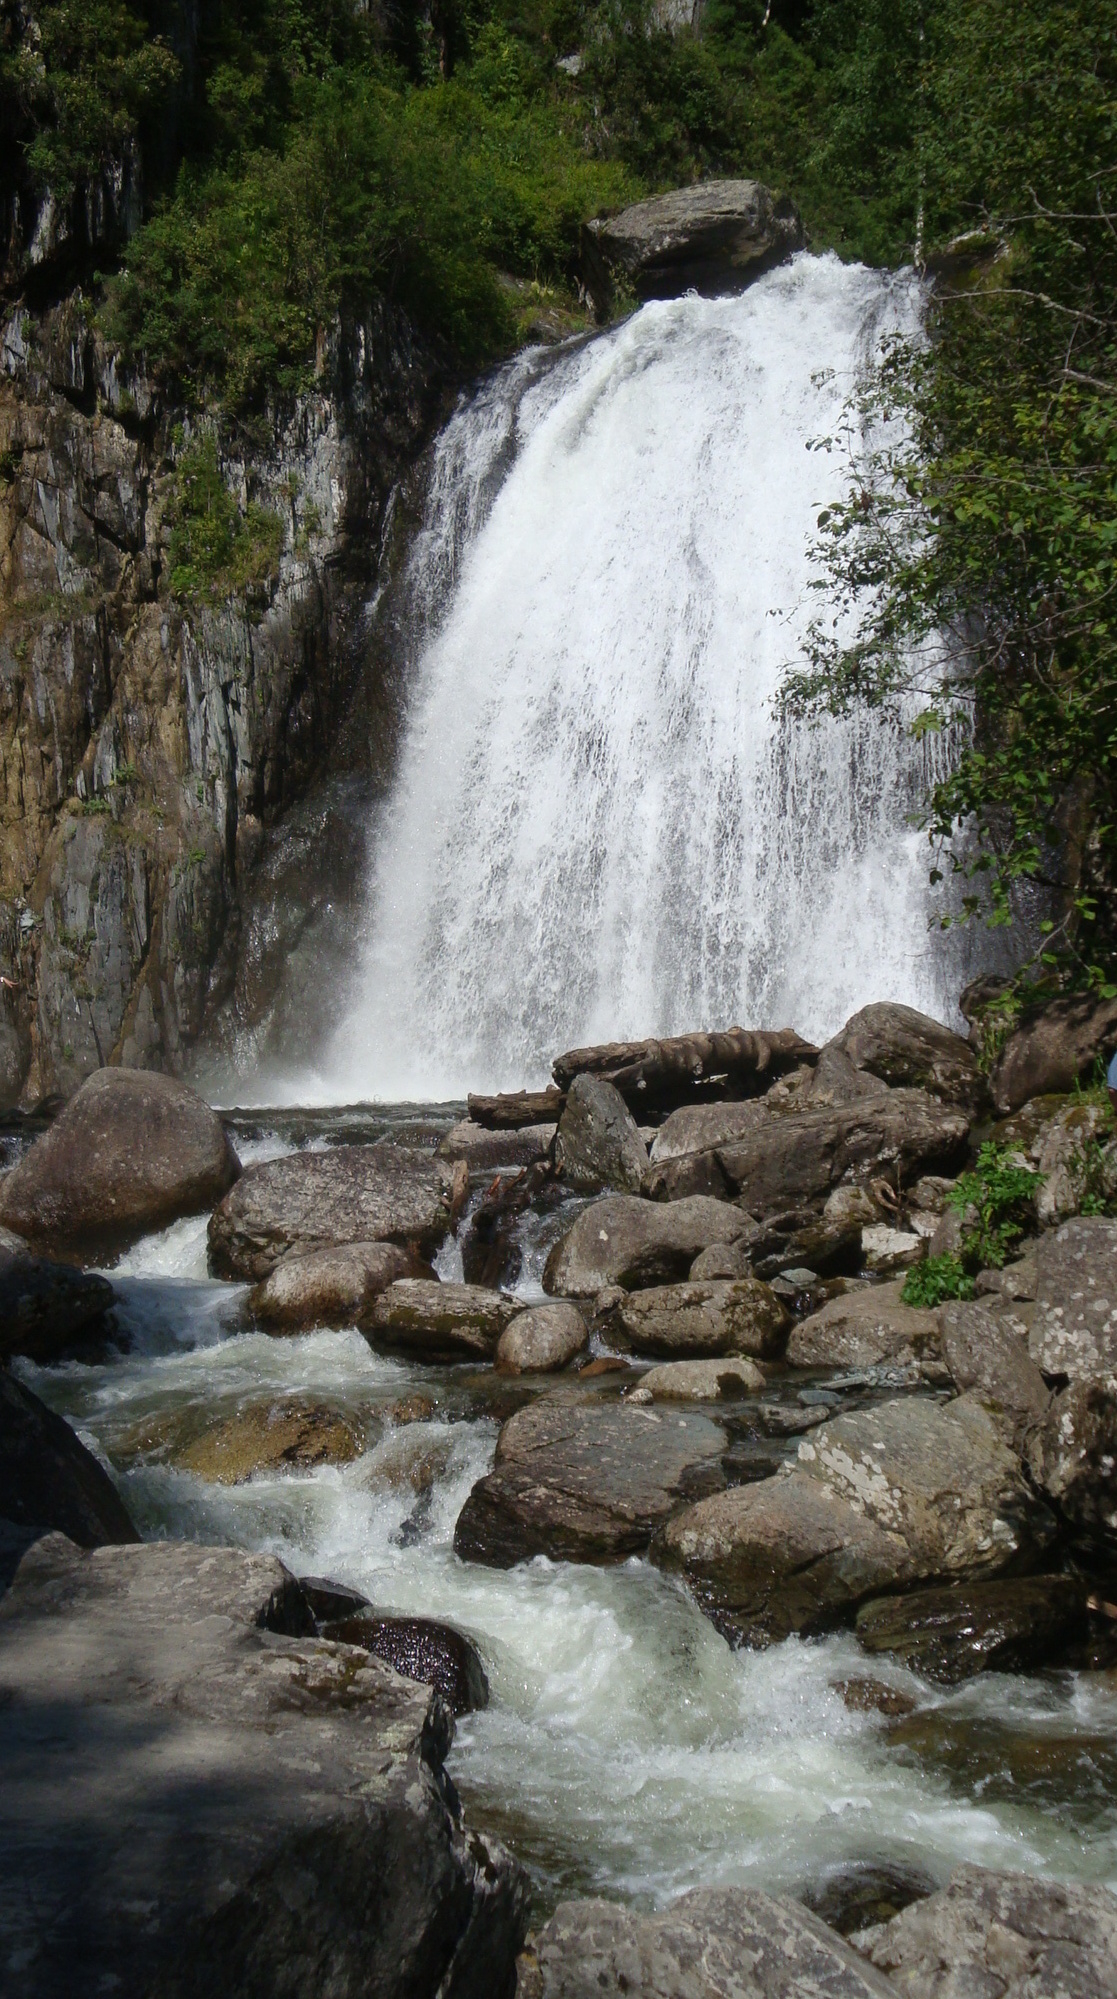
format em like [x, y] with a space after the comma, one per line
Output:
[722, 1259]
[285, 1435]
[45, 1307]
[199, 1805]
[541, 1339]
[1000, 1936]
[627, 1241]
[435, 1321]
[702, 1321]
[1009, 1625]
[486, 1151]
[420, 1649]
[130, 1152]
[864, 1328]
[319, 1200]
[1075, 1327]
[715, 1943]
[329, 1287]
[598, 1144]
[988, 1357]
[583, 1481]
[702, 1380]
[49, 1481]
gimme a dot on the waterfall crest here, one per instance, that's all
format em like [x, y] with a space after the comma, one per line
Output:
[600, 825]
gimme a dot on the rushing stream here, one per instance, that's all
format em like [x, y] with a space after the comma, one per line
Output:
[626, 1748]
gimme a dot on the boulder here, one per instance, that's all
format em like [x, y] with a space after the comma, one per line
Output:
[130, 1152]
[702, 1128]
[702, 1380]
[798, 1155]
[715, 1943]
[1075, 1327]
[1073, 1153]
[1072, 1455]
[837, 1080]
[722, 1259]
[909, 1050]
[585, 1481]
[286, 1435]
[329, 1287]
[1013, 1625]
[437, 1321]
[420, 1649]
[541, 1339]
[864, 1328]
[1051, 1048]
[987, 1357]
[701, 1321]
[487, 1151]
[1000, 1936]
[598, 1144]
[200, 1803]
[319, 1200]
[712, 238]
[627, 1241]
[49, 1481]
[45, 1307]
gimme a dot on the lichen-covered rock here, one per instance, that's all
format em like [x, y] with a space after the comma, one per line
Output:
[909, 1050]
[864, 1328]
[1075, 1329]
[1072, 1455]
[541, 1339]
[329, 1287]
[598, 1144]
[627, 1241]
[291, 1434]
[701, 1321]
[702, 1380]
[437, 1321]
[989, 1358]
[45, 1307]
[1001, 1936]
[320, 1200]
[131, 1151]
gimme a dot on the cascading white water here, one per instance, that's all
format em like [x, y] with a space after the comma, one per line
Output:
[601, 826]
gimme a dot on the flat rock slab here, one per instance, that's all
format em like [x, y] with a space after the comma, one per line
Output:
[864, 1328]
[1000, 1936]
[488, 1151]
[1075, 1328]
[627, 1241]
[1011, 1625]
[198, 1805]
[329, 1287]
[318, 1200]
[437, 1321]
[702, 1321]
[45, 1306]
[715, 1943]
[584, 1481]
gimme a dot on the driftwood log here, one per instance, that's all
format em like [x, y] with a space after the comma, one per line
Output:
[657, 1076]
[517, 1108]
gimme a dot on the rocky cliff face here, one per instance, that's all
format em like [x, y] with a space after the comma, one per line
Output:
[183, 783]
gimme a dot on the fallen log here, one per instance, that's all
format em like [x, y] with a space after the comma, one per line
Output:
[658, 1075]
[517, 1108]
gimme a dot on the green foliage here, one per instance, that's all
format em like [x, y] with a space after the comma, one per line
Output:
[995, 1200]
[216, 548]
[936, 1280]
[80, 88]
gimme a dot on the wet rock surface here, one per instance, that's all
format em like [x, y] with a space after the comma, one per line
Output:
[543, 1338]
[50, 1482]
[421, 1649]
[948, 1635]
[598, 1144]
[288, 1434]
[1000, 1936]
[329, 1287]
[1075, 1331]
[131, 1152]
[631, 1242]
[864, 1328]
[585, 1482]
[434, 1321]
[46, 1307]
[1072, 1456]
[202, 1804]
[322, 1200]
[701, 1321]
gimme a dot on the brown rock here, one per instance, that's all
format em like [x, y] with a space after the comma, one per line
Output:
[269, 1437]
[711, 238]
[802, 1154]
[909, 1050]
[1010, 1625]
[739, 1316]
[626, 1241]
[1072, 1455]
[329, 1287]
[863, 1329]
[320, 1200]
[486, 1151]
[702, 1380]
[1052, 1048]
[435, 1321]
[986, 1356]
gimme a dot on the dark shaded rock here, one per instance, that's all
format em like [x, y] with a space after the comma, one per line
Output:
[1072, 1455]
[626, 1241]
[909, 1050]
[198, 1804]
[864, 1328]
[331, 1600]
[420, 1649]
[584, 1482]
[863, 1696]
[1075, 1329]
[866, 1891]
[715, 1943]
[1007, 1936]
[541, 1339]
[130, 1152]
[435, 1321]
[45, 1307]
[987, 1356]
[701, 1321]
[319, 1200]
[48, 1480]
[1008, 1626]
[1052, 1048]
[330, 1287]
[487, 1150]
[795, 1155]
[598, 1144]
[721, 1260]
[711, 238]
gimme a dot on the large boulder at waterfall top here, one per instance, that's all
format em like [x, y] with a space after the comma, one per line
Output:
[711, 238]
[441, 1321]
[584, 1481]
[330, 1287]
[1075, 1327]
[1052, 1048]
[987, 1355]
[784, 1152]
[1012, 1624]
[714, 1943]
[131, 1151]
[598, 1144]
[318, 1200]
[49, 1481]
[202, 1799]
[905, 1492]
[701, 1321]
[909, 1050]
[543, 1338]
[627, 1241]
[45, 1307]
[1072, 1455]
[865, 1329]
[1000, 1936]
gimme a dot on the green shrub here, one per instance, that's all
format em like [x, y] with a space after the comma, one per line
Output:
[935, 1280]
[216, 549]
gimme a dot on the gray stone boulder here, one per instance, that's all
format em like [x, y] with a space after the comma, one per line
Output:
[909, 1050]
[713, 238]
[722, 1259]
[683, 1159]
[799, 1155]
[724, 1380]
[543, 1338]
[49, 1481]
[1000, 1936]
[585, 1481]
[204, 1796]
[1075, 1328]
[864, 1329]
[45, 1307]
[131, 1151]
[487, 1151]
[702, 1321]
[988, 1358]
[1076, 1156]
[1072, 1455]
[320, 1200]
[715, 1943]
[1052, 1048]
[436, 1321]
[1013, 1624]
[329, 1287]
[598, 1143]
[627, 1241]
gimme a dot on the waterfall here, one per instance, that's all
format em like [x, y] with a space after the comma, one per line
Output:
[600, 825]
